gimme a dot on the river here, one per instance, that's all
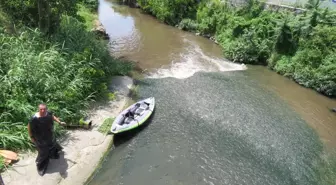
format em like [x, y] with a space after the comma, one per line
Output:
[215, 122]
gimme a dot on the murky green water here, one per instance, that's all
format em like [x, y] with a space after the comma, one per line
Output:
[214, 128]
[215, 122]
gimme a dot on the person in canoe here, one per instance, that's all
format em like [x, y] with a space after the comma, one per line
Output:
[131, 112]
[41, 132]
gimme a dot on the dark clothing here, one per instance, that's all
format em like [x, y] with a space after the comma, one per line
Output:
[42, 129]
[132, 110]
[42, 132]
[44, 154]
[1, 181]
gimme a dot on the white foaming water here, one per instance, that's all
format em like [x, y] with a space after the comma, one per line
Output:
[193, 60]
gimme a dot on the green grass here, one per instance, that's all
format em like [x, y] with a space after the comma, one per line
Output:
[88, 16]
[3, 18]
[123, 67]
[106, 126]
[111, 96]
[5, 23]
[2, 165]
[14, 136]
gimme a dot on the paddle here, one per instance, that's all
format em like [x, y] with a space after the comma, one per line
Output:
[86, 125]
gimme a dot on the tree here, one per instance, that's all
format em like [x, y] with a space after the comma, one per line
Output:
[44, 14]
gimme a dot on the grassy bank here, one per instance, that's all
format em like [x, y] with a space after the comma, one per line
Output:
[67, 68]
[88, 16]
[301, 47]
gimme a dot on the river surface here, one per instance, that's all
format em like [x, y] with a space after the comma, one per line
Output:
[215, 122]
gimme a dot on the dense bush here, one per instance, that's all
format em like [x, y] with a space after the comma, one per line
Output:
[300, 46]
[188, 24]
[170, 11]
[43, 13]
[90, 4]
[314, 65]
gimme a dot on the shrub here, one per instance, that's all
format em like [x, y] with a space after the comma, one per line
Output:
[170, 11]
[188, 24]
[45, 14]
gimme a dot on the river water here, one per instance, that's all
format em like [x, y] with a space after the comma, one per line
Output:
[215, 122]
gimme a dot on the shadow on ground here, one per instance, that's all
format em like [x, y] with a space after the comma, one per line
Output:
[59, 166]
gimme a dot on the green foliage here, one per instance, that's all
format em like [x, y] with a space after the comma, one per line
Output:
[207, 15]
[248, 48]
[2, 165]
[14, 136]
[328, 18]
[88, 17]
[5, 22]
[311, 70]
[43, 13]
[92, 5]
[284, 66]
[111, 96]
[106, 126]
[170, 11]
[314, 65]
[67, 70]
[287, 38]
[322, 38]
[188, 24]
[122, 67]
[252, 9]
[248, 40]
[325, 76]
[312, 4]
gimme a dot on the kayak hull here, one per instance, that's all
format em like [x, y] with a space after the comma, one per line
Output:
[133, 116]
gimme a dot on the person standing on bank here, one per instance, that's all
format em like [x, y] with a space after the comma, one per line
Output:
[41, 132]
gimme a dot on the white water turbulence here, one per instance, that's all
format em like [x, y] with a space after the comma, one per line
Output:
[193, 60]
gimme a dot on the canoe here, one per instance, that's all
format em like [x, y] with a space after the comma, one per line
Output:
[134, 116]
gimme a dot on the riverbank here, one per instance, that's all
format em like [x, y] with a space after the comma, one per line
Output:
[71, 67]
[83, 149]
[298, 46]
